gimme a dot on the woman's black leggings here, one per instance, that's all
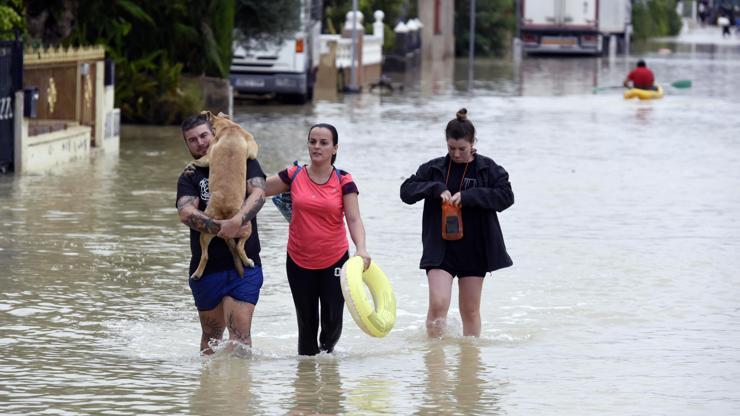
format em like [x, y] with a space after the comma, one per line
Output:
[311, 288]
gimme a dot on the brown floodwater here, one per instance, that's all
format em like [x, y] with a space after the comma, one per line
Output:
[624, 236]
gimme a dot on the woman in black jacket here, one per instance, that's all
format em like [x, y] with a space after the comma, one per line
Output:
[478, 186]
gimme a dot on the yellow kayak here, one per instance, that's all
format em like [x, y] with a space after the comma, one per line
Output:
[644, 94]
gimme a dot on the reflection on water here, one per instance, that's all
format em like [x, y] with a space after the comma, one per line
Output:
[622, 300]
[454, 382]
[317, 388]
[225, 387]
[643, 115]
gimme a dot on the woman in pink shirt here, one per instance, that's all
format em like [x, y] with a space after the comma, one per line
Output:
[322, 198]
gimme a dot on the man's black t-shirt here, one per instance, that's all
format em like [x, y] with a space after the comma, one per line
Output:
[219, 256]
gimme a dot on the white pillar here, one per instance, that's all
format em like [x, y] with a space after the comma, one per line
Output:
[378, 27]
[353, 26]
[100, 110]
[401, 28]
[18, 133]
[413, 33]
[402, 34]
[349, 21]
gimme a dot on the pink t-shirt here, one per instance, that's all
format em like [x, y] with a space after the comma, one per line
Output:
[317, 237]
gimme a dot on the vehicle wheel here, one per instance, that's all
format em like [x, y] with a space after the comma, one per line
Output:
[299, 99]
[604, 46]
[309, 94]
[310, 83]
[303, 98]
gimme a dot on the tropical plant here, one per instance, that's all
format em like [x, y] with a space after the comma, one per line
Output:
[148, 90]
[152, 44]
[219, 31]
[494, 22]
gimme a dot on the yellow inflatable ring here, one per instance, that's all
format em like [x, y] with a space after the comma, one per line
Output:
[376, 321]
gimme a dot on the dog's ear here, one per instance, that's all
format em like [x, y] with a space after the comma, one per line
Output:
[208, 114]
[220, 114]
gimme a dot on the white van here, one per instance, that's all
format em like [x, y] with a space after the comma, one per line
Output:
[284, 66]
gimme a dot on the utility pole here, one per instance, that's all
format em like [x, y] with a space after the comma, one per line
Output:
[516, 44]
[471, 46]
[352, 87]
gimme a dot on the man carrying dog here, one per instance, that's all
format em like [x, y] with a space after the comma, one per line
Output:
[224, 300]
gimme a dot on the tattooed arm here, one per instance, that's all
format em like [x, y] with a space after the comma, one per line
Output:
[190, 215]
[231, 228]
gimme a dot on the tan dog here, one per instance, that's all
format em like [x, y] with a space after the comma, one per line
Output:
[227, 161]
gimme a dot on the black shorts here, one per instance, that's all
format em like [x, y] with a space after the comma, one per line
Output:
[455, 272]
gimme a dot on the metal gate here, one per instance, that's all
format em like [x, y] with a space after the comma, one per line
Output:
[11, 80]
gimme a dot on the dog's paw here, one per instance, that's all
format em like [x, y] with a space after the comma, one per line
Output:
[195, 276]
[189, 170]
[249, 263]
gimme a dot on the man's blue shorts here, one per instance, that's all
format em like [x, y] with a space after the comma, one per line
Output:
[210, 289]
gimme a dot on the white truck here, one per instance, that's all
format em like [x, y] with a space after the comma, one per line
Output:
[284, 66]
[615, 22]
[572, 26]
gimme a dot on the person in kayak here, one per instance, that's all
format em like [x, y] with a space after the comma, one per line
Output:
[641, 77]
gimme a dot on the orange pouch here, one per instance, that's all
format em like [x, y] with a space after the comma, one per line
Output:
[452, 225]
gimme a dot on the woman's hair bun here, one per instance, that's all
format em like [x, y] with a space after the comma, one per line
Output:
[462, 114]
[460, 127]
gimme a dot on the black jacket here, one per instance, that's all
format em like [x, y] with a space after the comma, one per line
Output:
[492, 194]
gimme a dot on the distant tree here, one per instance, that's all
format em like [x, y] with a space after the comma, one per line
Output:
[11, 18]
[494, 24]
[334, 13]
[652, 18]
[259, 19]
[50, 21]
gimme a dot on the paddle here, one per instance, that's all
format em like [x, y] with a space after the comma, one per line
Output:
[682, 83]
[610, 87]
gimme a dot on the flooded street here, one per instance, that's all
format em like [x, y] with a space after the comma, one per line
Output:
[623, 297]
